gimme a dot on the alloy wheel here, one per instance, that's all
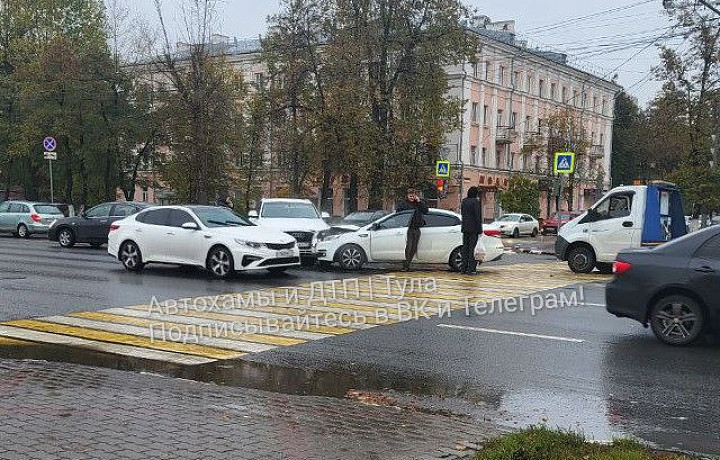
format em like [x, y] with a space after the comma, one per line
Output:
[677, 321]
[65, 238]
[23, 231]
[220, 263]
[351, 258]
[130, 256]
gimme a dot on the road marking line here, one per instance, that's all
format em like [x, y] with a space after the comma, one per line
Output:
[211, 329]
[103, 347]
[156, 334]
[518, 334]
[124, 339]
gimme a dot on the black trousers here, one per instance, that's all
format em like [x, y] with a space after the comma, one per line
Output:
[411, 246]
[470, 240]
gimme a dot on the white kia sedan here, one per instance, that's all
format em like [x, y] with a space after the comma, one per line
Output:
[214, 238]
[516, 225]
[384, 241]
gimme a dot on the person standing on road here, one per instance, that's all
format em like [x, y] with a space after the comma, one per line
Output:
[417, 221]
[472, 228]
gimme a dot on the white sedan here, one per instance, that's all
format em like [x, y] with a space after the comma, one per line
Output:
[515, 225]
[384, 241]
[213, 238]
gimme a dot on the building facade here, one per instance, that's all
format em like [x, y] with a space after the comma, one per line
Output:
[510, 92]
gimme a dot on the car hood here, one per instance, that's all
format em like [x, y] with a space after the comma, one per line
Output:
[568, 227]
[293, 225]
[255, 234]
[345, 228]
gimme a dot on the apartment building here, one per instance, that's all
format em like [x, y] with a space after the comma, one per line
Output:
[511, 90]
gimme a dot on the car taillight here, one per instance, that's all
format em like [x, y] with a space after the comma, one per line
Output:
[36, 218]
[492, 233]
[114, 227]
[620, 267]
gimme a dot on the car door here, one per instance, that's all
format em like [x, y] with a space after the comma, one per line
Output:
[388, 237]
[612, 229]
[16, 214]
[151, 235]
[705, 275]
[184, 246]
[94, 225]
[5, 217]
[440, 235]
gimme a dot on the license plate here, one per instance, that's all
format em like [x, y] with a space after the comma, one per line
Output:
[304, 245]
[285, 253]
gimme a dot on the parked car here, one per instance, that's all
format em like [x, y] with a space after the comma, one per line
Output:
[554, 224]
[627, 217]
[352, 222]
[24, 218]
[92, 226]
[384, 241]
[211, 237]
[673, 288]
[515, 225]
[298, 218]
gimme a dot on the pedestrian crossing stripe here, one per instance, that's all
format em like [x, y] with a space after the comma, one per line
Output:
[203, 336]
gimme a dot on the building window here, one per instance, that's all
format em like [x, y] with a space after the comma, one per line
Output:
[528, 122]
[487, 70]
[516, 80]
[604, 107]
[485, 115]
[483, 158]
[513, 120]
[575, 98]
[473, 155]
[144, 194]
[595, 104]
[584, 100]
[602, 139]
[553, 91]
[498, 159]
[529, 87]
[501, 75]
[475, 69]
[541, 88]
[537, 164]
[474, 112]
[564, 95]
[500, 118]
[524, 162]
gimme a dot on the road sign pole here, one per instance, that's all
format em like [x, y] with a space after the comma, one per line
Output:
[52, 191]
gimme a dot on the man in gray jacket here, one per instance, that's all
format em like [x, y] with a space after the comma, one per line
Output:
[472, 228]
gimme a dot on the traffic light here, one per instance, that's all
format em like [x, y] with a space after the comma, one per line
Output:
[441, 186]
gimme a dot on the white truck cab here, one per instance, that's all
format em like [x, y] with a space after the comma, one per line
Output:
[627, 217]
[296, 217]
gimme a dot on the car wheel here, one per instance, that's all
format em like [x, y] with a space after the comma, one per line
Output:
[220, 262]
[581, 259]
[535, 232]
[277, 270]
[66, 238]
[351, 257]
[516, 233]
[23, 231]
[456, 260]
[131, 257]
[677, 320]
[604, 268]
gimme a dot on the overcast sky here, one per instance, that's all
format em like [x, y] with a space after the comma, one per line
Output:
[604, 41]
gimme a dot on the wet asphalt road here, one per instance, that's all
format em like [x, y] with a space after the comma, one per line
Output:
[577, 367]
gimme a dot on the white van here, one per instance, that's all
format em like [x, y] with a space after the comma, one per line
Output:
[627, 217]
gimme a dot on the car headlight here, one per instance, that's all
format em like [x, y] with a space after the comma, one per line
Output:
[250, 244]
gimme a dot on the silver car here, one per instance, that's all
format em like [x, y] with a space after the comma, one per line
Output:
[23, 218]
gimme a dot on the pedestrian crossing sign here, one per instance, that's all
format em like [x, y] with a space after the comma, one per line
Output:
[564, 163]
[442, 169]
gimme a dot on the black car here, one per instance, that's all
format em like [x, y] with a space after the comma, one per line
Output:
[92, 226]
[672, 288]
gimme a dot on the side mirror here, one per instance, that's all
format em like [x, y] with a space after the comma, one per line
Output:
[325, 215]
[190, 226]
[253, 214]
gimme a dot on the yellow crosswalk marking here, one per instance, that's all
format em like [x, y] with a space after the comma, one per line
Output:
[91, 334]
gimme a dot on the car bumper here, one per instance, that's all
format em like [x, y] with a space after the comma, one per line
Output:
[561, 248]
[623, 301]
[261, 259]
[550, 229]
[38, 228]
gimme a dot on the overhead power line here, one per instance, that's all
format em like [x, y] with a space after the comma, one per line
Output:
[565, 22]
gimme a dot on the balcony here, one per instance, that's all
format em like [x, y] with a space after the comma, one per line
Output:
[505, 135]
[597, 151]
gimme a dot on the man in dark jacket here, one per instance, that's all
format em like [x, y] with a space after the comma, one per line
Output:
[417, 221]
[472, 228]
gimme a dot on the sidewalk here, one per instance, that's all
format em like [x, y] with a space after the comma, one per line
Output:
[66, 411]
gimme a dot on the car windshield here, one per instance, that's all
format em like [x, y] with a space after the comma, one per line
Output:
[509, 218]
[564, 216]
[358, 217]
[289, 210]
[219, 217]
[47, 209]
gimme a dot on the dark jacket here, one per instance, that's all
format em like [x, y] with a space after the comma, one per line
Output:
[471, 216]
[417, 220]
